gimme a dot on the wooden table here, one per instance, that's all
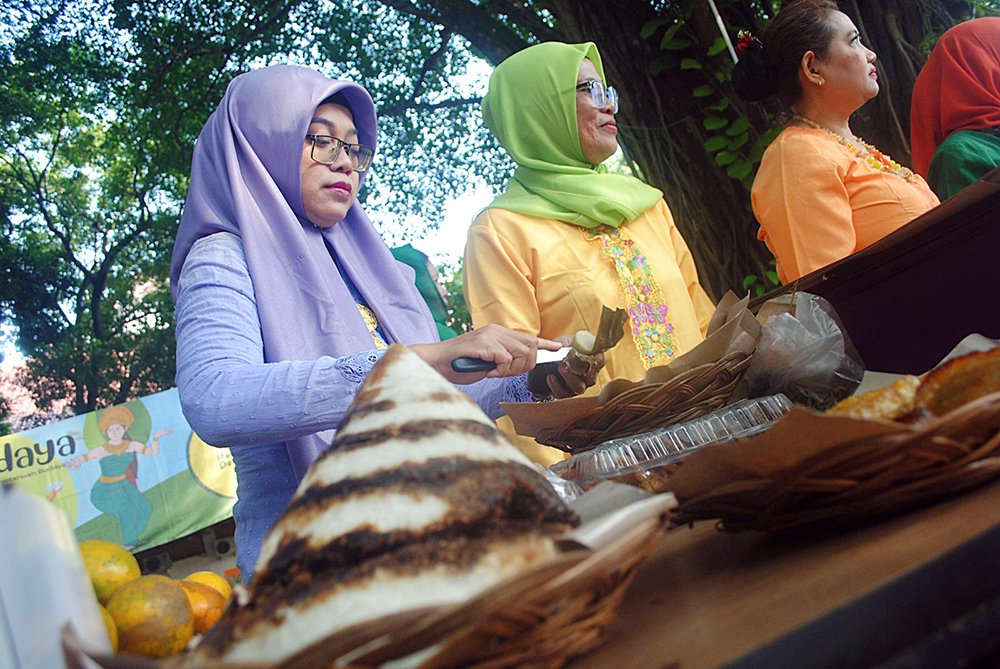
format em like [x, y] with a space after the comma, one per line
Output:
[851, 598]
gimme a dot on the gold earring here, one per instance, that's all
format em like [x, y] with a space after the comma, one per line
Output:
[822, 81]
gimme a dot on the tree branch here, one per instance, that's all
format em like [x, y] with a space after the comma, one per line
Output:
[445, 104]
[479, 24]
[34, 183]
[407, 7]
[528, 19]
[431, 61]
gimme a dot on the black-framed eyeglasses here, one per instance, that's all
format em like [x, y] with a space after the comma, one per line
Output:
[601, 94]
[326, 149]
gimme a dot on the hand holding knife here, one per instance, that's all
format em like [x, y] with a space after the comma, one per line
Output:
[543, 356]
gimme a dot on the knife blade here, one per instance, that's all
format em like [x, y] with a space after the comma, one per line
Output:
[467, 365]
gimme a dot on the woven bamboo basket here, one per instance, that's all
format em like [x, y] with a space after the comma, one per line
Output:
[696, 392]
[865, 478]
[541, 618]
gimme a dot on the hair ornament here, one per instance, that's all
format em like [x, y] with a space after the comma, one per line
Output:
[745, 41]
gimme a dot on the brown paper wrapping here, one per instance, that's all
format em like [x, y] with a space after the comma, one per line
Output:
[732, 328]
[800, 434]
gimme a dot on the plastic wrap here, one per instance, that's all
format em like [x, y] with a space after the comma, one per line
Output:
[803, 353]
[648, 459]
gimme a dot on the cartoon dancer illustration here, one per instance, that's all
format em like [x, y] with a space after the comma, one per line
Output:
[115, 493]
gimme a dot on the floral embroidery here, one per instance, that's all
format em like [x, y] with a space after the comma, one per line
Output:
[372, 324]
[652, 331]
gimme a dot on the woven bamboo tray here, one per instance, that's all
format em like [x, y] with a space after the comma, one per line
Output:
[691, 394]
[862, 479]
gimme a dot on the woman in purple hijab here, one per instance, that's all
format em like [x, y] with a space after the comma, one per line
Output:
[286, 295]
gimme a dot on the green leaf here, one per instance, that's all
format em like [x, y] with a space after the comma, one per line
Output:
[718, 46]
[716, 143]
[664, 62]
[740, 125]
[652, 26]
[725, 157]
[739, 141]
[676, 44]
[690, 64]
[739, 169]
[759, 146]
[720, 105]
[715, 122]
[748, 184]
[669, 35]
[772, 276]
[702, 91]
[749, 280]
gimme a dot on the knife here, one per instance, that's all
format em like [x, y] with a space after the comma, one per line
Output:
[466, 365]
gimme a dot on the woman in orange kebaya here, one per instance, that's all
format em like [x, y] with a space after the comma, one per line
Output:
[821, 192]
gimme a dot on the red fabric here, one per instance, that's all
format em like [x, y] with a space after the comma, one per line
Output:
[958, 89]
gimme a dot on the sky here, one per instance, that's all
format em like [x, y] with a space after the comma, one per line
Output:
[447, 243]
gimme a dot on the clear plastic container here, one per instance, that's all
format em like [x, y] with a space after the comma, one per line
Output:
[647, 459]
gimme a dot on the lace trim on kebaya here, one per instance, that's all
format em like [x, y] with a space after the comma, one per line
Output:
[355, 367]
[516, 390]
[652, 331]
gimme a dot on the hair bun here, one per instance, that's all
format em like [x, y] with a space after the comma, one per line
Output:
[753, 79]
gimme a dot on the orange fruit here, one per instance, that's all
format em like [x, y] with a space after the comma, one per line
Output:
[153, 616]
[212, 579]
[110, 567]
[207, 604]
[109, 623]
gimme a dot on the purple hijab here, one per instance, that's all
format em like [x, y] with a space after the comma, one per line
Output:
[245, 179]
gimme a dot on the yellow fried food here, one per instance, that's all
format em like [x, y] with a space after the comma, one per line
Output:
[889, 403]
[959, 381]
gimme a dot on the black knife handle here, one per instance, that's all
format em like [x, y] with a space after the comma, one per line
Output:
[468, 365]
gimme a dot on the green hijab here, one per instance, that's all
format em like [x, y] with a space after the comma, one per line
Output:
[531, 109]
[427, 287]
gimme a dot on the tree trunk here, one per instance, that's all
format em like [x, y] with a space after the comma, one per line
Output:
[894, 29]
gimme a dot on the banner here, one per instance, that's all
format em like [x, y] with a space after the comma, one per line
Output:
[134, 473]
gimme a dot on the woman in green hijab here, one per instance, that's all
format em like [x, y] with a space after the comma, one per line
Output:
[567, 236]
[426, 280]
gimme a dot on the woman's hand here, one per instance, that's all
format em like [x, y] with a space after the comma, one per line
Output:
[513, 352]
[565, 383]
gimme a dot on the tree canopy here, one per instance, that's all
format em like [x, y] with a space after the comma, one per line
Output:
[104, 99]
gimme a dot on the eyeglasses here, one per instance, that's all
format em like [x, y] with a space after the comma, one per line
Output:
[326, 149]
[601, 94]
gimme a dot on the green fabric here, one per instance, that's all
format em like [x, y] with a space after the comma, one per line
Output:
[531, 109]
[427, 287]
[444, 331]
[962, 158]
[121, 499]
